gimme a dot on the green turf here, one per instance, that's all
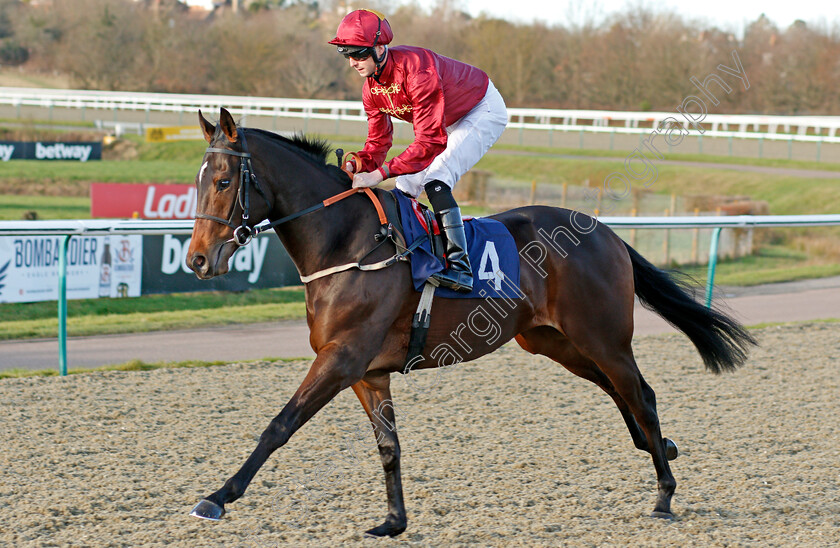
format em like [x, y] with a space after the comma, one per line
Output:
[784, 194]
[102, 324]
[151, 312]
[149, 304]
[673, 156]
[132, 365]
[770, 264]
[104, 171]
[14, 206]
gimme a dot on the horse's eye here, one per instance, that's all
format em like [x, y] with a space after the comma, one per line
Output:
[223, 184]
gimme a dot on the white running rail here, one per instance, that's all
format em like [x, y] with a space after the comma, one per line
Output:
[742, 126]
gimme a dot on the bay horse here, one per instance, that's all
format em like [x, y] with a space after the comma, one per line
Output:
[576, 306]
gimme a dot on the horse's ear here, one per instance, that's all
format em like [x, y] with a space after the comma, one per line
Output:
[228, 125]
[206, 127]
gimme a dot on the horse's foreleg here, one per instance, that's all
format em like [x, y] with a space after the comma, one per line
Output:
[329, 374]
[375, 394]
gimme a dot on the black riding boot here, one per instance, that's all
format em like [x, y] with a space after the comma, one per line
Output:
[458, 274]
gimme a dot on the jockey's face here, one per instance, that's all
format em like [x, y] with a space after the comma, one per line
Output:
[366, 67]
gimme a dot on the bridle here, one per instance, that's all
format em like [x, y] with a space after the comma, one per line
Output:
[242, 234]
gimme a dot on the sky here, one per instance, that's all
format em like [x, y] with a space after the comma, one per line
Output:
[727, 14]
[732, 15]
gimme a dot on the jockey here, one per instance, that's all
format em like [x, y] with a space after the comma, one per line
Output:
[456, 112]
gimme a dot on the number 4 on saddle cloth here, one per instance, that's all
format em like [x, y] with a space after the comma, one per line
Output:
[492, 251]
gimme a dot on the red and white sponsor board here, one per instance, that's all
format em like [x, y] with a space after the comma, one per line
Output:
[122, 201]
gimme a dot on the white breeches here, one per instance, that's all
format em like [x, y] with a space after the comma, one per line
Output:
[468, 140]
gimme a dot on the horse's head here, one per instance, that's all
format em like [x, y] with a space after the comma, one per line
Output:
[226, 208]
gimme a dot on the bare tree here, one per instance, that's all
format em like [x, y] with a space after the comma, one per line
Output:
[640, 58]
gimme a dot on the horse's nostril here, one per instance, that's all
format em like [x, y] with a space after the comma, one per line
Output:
[199, 261]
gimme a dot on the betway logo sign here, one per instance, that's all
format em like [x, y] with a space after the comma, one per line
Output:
[60, 151]
[248, 259]
[143, 201]
[6, 152]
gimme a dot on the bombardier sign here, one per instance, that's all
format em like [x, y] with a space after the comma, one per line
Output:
[97, 266]
[114, 200]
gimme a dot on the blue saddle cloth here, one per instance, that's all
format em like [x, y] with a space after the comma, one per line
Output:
[492, 251]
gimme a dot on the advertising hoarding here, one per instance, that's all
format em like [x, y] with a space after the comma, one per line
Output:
[262, 263]
[97, 266]
[50, 150]
[174, 133]
[130, 266]
[142, 201]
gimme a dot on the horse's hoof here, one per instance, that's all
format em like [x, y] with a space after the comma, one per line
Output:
[389, 529]
[662, 515]
[206, 509]
[671, 450]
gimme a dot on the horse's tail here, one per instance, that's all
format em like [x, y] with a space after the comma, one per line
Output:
[721, 341]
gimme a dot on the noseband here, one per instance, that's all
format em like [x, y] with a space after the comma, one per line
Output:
[242, 234]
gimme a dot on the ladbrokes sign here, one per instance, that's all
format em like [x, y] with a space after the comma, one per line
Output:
[142, 201]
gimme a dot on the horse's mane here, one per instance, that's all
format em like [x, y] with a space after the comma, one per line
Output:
[313, 147]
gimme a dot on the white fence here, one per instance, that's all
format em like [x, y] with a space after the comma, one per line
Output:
[147, 227]
[821, 129]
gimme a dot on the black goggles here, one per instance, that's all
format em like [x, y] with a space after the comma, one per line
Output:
[358, 55]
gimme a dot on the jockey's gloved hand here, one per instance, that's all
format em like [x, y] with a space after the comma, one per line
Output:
[367, 180]
[351, 162]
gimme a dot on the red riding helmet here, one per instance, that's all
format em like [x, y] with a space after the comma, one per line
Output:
[365, 28]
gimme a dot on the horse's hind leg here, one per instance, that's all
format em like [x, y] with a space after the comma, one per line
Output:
[619, 370]
[549, 342]
[617, 363]
[374, 392]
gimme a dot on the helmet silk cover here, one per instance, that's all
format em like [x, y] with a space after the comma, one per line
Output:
[363, 28]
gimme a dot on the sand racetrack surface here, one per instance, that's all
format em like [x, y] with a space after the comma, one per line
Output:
[509, 450]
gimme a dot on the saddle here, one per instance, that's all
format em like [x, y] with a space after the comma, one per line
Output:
[392, 213]
[424, 215]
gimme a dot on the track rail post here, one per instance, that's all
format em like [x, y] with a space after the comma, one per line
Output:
[713, 252]
[62, 306]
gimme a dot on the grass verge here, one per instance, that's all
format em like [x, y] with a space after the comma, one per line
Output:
[680, 157]
[14, 206]
[784, 194]
[771, 264]
[150, 304]
[132, 365]
[152, 313]
[80, 326]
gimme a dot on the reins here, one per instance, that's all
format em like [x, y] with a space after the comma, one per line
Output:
[326, 203]
[243, 234]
